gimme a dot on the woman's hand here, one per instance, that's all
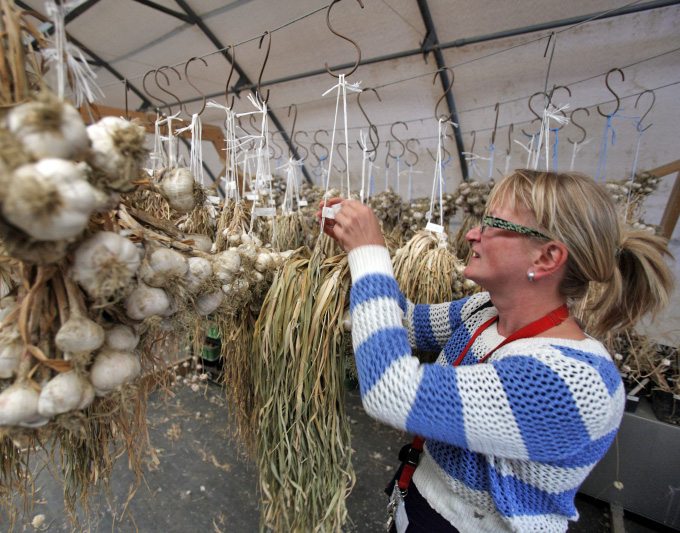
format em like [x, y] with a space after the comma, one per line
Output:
[354, 225]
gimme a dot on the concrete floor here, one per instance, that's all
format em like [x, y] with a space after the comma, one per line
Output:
[205, 484]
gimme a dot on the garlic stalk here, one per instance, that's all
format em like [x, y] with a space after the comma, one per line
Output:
[49, 127]
[147, 301]
[78, 334]
[162, 266]
[111, 369]
[105, 263]
[50, 200]
[11, 349]
[61, 394]
[116, 153]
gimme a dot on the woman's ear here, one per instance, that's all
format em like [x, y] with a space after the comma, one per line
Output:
[550, 258]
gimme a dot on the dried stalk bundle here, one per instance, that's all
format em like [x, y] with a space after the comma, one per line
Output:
[471, 197]
[414, 217]
[233, 222]
[428, 271]
[22, 73]
[290, 232]
[303, 434]
[200, 221]
[630, 195]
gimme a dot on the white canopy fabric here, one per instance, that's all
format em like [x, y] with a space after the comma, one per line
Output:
[493, 72]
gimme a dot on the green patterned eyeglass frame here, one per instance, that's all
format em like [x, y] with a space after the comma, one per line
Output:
[500, 223]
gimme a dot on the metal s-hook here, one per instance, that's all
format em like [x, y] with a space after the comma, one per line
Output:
[578, 125]
[328, 23]
[648, 110]
[146, 90]
[160, 71]
[495, 124]
[266, 57]
[557, 88]
[618, 100]
[412, 152]
[538, 117]
[372, 129]
[272, 141]
[474, 139]
[188, 80]
[447, 91]
[231, 71]
[511, 128]
[299, 146]
[337, 149]
[403, 148]
[316, 142]
[292, 131]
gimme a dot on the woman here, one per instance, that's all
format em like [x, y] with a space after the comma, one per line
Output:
[535, 402]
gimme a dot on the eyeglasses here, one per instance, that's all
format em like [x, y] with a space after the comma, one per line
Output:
[510, 226]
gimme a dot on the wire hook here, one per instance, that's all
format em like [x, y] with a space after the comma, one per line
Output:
[337, 149]
[403, 148]
[316, 142]
[538, 117]
[372, 129]
[648, 110]
[231, 71]
[618, 100]
[299, 146]
[266, 57]
[165, 104]
[188, 80]
[412, 152]
[578, 125]
[448, 90]
[510, 130]
[160, 71]
[328, 23]
[495, 125]
[292, 131]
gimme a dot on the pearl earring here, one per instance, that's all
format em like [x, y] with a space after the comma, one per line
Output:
[531, 275]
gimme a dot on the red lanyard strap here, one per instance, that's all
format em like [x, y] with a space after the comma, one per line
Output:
[552, 319]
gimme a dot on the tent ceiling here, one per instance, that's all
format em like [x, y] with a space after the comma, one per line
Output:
[133, 38]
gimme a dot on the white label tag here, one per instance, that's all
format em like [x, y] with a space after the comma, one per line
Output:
[330, 212]
[272, 202]
[400, 518]
[436, 228]
[265, 211]
[302, 203]
[251, 196]
[231, 185]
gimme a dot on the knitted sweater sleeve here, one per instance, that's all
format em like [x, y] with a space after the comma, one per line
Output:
[538, 402]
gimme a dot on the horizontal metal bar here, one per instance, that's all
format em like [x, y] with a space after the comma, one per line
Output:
[163, 9]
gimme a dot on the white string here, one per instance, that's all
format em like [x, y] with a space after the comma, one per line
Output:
[196, 153]
[342, 87]
[66, 54]
[230, 144]
[364, 157]
[550, 112]
[437, 181]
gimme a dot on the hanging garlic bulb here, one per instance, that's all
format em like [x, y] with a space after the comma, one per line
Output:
[105, 263]
[11, 349]
[61, 394]
[111, 369]
[201, 242]
[19, 406]
[50, 200]
[78, 334]
[88, 395]
[117, 150]
[207, 303]
[122, 338]
[49, 127]
[162, 266]
[248, 251]
[264, 262]
[146, 301]
[226, 264]
[200, 270]
[177, 187]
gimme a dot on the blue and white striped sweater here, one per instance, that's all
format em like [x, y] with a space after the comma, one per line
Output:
[508, 441]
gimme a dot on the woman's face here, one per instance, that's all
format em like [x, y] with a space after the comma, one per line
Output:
[501, 258]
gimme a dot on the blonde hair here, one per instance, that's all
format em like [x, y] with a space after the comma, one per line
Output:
[623, 272]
